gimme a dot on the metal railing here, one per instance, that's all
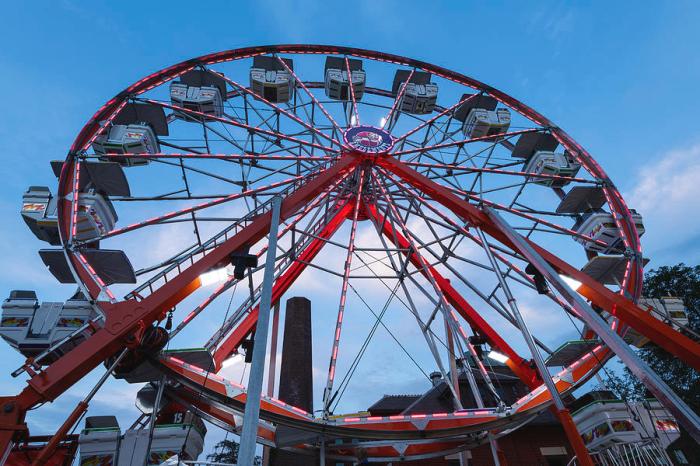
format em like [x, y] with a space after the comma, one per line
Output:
[640, 453]
[190, 258]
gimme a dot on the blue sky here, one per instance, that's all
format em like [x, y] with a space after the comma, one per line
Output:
[621, 77]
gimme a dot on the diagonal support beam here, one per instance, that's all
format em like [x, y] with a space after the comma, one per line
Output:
[124, 318]
[519, 365]
[681, 411]
[282, 284]
[663, 335]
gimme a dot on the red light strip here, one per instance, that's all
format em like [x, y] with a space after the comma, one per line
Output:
[75, 202]
[281, 110]
[424, 264]
[464, 141]
[177, 155]
[498, 171]
[352, 92]
[106, 124]
[201, 206]
[397, 99]
[343, 294]
[224, 286]
[96, 278]
[433, 119]
[310, 94]
[231, 122]
[527, 216]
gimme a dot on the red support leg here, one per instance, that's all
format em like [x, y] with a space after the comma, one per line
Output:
[517, 364]
[247, 325]
[124, 318]
[663, 335]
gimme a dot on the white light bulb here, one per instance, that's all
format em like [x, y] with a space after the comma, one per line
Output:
[213, 276]
[496, 356]
[573, 284]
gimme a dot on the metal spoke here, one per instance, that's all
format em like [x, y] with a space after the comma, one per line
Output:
[280, 109]
[433, 119]
[463, 142]
[232, 122]
[310, 94]
[189, 210]
[352, 93]
[343, 296]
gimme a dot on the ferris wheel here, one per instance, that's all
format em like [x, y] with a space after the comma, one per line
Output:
[474, 216]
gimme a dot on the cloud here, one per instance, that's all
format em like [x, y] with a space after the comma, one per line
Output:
[665, 193]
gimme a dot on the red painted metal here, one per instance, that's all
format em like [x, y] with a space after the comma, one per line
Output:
[224, 286]
[203, 205]
[352, 92]
[433, 119]
[43, 457]
[28, 450]
[583, 458]
[519, 365]
[399, 96]
[279, 109]
[282, 284]
[229, 121]
[490, 137]
[665, 336]
[123, 318]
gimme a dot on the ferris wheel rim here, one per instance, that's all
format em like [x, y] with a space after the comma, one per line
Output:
[618, 207]
[112, 107]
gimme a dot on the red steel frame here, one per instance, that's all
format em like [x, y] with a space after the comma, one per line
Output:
[282, 284]
[124, 321]
[519, 365]
[662, 334]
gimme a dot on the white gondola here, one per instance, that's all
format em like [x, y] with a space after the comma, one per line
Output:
[670, 310]
[271, 81]
[600, 226]
[605, 421]
[135, 138]
[419, 99]
[551, 163]
[31, 328]
[201, 91]
[337, 82]
[96, 215]
[99, 441]
[273, 86]
[39, 213]
[174, 434]
[204, 99]
[482, 122]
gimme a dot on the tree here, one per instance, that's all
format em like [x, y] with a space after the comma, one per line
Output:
[226, 451]
[684, 282]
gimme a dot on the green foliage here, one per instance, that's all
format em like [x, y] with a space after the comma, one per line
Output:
[684, 282]
[226, 451]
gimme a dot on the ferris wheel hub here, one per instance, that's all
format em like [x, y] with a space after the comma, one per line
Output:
[368, 139]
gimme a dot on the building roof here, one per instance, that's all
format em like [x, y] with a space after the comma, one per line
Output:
[392, 404]
[438, 398]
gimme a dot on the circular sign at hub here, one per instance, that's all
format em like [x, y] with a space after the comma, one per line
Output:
[368, 139]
